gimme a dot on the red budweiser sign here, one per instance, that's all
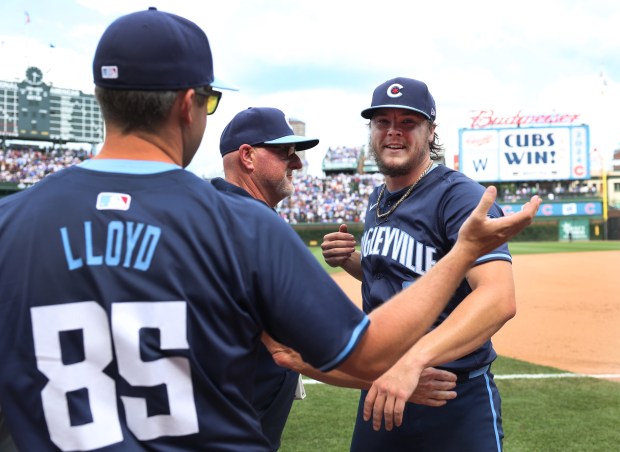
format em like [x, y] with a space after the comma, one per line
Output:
[488, 118]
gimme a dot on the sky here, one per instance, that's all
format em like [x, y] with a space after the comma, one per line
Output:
[320, 60]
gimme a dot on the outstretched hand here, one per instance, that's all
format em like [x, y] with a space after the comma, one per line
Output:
[480, 234]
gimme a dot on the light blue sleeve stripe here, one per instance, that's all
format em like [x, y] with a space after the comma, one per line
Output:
[494, 257]
[355, 337]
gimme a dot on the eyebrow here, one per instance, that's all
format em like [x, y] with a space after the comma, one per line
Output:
[412, 116]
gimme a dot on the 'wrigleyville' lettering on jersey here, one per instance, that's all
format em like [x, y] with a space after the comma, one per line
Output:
[400, 246]
[129, 244]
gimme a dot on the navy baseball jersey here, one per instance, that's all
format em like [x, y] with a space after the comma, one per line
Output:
[401, 247]
[133, 296]
[396, 250]
[275, 385]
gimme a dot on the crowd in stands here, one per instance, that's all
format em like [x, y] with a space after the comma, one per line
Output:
[25, 165]
[344, 197]
[333, 198]
[330, 199]
[343, 155]
[341, 159]
[549, 191]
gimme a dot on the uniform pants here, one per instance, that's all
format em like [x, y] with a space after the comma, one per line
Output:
[471, 422]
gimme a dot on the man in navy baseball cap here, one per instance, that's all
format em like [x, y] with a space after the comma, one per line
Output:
[259, 148]
[405, 93]
[420, 197]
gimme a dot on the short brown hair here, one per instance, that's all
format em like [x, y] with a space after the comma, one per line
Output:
[135, 110]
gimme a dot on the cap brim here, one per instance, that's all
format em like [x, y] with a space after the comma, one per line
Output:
[301, 143]
[219, 84]
[367, 114]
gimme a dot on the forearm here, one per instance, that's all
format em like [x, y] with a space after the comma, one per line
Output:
[475, 320]
[353, 265]
[399, 323]
[336, 378]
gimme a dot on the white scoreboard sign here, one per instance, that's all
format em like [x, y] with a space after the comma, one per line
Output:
[525, 153]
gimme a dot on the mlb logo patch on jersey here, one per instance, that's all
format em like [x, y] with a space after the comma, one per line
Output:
[113, 201]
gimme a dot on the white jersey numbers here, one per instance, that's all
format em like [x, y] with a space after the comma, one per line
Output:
[90, 318]
[86, 376]
[174, 372]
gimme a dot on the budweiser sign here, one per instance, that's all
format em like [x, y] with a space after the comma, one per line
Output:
[488, 118]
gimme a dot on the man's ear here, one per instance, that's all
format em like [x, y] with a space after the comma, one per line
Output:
[185, 100]
[431, 129]
[247, 156]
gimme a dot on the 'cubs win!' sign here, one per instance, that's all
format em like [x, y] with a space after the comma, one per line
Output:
[525, 153]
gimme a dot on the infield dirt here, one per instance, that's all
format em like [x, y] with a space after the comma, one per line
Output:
[568, 311]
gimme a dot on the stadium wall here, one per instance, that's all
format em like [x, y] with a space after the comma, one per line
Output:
[540, 231]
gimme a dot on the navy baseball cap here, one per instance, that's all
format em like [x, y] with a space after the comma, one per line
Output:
[154, 51]
[261, 125]
[402, 92]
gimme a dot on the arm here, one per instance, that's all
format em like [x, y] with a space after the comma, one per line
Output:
[481, 314]
[339, 251]
[397, 325]
[434, 388]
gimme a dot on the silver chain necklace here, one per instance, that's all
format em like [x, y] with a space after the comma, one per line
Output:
[403, 197]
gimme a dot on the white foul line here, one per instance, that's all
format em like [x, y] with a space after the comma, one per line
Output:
[308, 381]
[562, 375]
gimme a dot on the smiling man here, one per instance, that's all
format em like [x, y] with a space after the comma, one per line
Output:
[411, 223]
[258, 148]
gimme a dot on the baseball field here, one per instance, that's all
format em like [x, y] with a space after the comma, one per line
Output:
[559, 365]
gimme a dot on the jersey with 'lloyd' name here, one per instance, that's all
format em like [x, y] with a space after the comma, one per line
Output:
[401, 247]
[133, 296]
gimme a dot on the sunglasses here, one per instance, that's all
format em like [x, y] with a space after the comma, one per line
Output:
[213, 98]
[285, 151]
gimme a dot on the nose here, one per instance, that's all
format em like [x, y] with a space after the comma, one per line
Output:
[295, 162]
[393, 129]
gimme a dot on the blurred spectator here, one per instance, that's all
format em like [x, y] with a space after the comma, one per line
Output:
[331, 199]
[27, 165]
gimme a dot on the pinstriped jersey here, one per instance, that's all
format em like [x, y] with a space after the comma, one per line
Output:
[132, 298]
[401, 247]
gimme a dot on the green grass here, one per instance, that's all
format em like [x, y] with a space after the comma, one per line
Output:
[552, 414]
[540, 415]
[316, 250]
[521, 248]
[562, 247]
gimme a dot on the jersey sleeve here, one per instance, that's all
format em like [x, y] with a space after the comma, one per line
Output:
[297, 301]
[460, 200]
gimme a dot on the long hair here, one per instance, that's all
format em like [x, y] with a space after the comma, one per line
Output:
[435, 146]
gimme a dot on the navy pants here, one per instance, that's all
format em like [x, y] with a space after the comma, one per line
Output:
[470, 423]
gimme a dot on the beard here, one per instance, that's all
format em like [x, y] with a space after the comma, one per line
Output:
[392, 170]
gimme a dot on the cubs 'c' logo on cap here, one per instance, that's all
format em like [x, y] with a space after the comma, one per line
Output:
[394, 90]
